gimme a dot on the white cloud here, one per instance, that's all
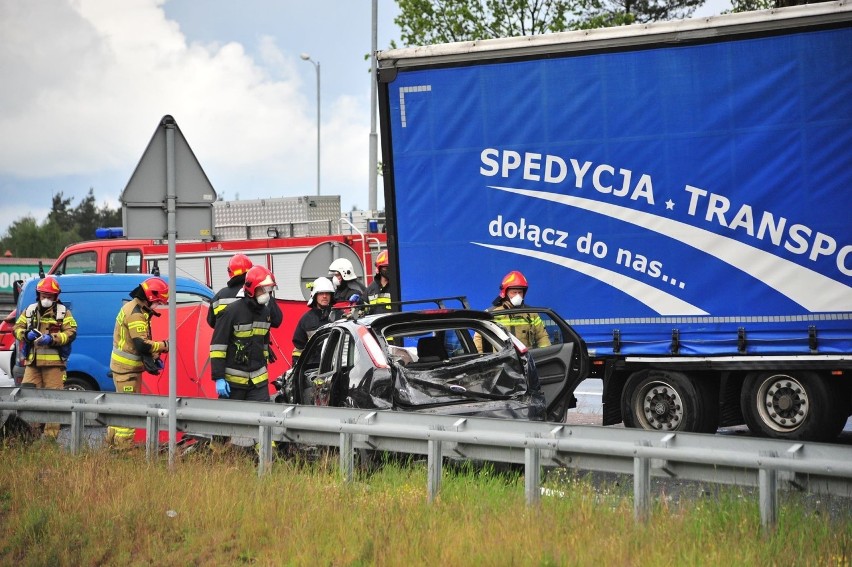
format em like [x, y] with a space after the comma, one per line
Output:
[87, 81]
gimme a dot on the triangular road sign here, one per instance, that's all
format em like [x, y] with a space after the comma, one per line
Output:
[145, 198]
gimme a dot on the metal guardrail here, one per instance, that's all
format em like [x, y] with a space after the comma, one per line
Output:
[767, 464]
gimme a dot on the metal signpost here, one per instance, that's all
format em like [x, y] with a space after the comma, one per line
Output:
[169, 195]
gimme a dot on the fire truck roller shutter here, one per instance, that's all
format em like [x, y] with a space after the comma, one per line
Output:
[320, 257]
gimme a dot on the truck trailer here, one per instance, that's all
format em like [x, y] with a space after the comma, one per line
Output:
[680, 192]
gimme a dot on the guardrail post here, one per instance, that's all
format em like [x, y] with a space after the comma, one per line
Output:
[532, 475]
[264, 449]
[768, 484]
[347, 457]
[641, 486]
[77, 423]
[152, 437]
[434, 465]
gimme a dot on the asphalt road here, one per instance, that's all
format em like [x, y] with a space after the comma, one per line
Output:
[589, 411]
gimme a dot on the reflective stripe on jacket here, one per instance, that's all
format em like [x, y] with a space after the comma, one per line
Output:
[378, 296]
[239, 348]
[132, 334]
[63, 331]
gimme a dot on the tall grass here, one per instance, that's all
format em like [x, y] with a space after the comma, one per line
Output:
[106, 509]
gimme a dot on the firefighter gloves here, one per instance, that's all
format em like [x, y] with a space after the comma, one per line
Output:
[223, 389]
[44, 340]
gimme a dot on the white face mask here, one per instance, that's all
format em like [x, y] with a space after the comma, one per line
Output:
[263, 298]
[46, 303]
[516, 300]
[336, 280]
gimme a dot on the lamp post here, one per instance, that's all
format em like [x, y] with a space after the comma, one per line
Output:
[316, 64]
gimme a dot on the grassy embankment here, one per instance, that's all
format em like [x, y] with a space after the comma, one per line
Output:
[106, 509]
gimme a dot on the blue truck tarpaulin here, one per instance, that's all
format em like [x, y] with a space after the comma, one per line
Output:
[700, 187]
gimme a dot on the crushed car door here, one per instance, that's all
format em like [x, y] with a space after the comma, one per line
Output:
[323, 373]
[561, 365]
[316, 368]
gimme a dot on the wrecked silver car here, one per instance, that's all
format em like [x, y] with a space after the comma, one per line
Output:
[428, 361]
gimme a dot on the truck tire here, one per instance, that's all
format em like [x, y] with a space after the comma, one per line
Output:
[660, 400]
[796, 405]
[79, 382]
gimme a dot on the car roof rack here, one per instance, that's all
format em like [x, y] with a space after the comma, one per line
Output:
[358, 311]
[439, 302]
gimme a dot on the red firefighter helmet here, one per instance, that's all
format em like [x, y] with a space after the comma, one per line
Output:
[238, 265]
[382, 259]
[156, 290]
[48, 285]
[256, 277]
[513, 279]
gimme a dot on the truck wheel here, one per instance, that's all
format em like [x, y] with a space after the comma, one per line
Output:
[659, 400]
[79, 382]
[791, 405]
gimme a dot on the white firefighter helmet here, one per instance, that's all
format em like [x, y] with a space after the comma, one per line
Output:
[345, 268]
[320, 285]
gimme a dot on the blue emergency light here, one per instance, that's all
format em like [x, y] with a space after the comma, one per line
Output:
[109, 232]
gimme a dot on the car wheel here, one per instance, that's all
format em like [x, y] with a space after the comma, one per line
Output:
[660, 400]
[792, 405]
[79, 382]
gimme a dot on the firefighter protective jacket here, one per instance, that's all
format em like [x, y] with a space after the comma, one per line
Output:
[528, 327]
[239, 348]
[233, 292]
[225, 297]
[56, 321]
[349, 288]
[377, 294]
[308, 325]
[131, 339]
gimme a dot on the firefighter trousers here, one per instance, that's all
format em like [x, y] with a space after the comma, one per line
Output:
[122, 437]
[51, 378]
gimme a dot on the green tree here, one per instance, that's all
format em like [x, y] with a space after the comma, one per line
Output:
[86, 216]
[108, 216]
[425, 22]
[608, 13]
[25, 238]
[64, 225]
[60, 212]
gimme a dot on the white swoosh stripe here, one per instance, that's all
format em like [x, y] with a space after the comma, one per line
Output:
[660, 301]
[813, 291]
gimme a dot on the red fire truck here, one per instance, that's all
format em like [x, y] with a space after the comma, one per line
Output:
[254, 228]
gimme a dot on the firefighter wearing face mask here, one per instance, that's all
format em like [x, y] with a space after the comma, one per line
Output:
[239, 349]
[44, 332]
[527, 327]
[238, 267]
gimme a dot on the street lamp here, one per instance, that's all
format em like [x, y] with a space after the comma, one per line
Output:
[316, 64]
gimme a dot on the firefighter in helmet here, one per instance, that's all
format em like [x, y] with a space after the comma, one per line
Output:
[238, 265]
[347, 289]
[133, 348]
[320, 313]
[44, 332]
[378, 294]
[239, 349]
[527, 327]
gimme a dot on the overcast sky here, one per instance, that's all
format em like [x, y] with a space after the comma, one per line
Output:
[86, 82]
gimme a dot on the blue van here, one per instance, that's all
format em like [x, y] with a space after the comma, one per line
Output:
[94, 300]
